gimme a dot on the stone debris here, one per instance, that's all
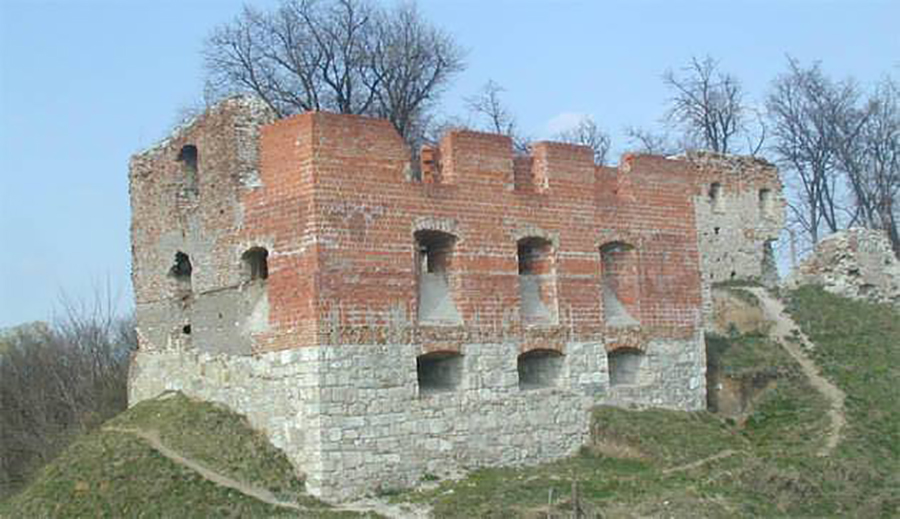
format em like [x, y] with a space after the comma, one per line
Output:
[857, 263]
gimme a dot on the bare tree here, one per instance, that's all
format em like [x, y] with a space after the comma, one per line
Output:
[414, 61]
[645, 141]
[867, 142]
[346, 56]
[59, 381]
[707, 105]
[489, 106]
[587, 133]
[803, 107]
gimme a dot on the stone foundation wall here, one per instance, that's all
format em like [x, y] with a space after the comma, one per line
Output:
[276, 391]
[671, 374]
[353, 420]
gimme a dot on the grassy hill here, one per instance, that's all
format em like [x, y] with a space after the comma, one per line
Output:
[638, 463]
[114, 473]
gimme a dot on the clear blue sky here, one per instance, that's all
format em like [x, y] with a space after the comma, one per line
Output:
[84, 84]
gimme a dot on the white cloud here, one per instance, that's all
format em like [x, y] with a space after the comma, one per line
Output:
[564, 121]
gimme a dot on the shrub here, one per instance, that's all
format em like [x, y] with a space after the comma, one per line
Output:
[57, 382]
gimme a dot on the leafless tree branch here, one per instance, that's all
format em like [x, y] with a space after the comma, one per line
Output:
[587, 133]
[347, 56]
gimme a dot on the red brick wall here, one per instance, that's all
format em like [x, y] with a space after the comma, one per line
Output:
[282, 212]
[337, 209]
[364, 211]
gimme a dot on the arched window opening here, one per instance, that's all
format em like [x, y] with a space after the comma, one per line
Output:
[765, 202]
[188, 158]
[715, 197]
[181, 271]
[256, 264]
[537, 284]
[624, 366]
[434, 256]
[620, 279]
[439, 372]
[539, 368]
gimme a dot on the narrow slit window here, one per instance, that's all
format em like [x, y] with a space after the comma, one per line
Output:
[537, 283]
[620, 284]
[715, 197]
[188, 157]
[434, 255]
[181, 272]
[765, 202]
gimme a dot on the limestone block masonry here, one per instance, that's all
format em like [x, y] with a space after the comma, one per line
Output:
[382, 321]
[740, 209]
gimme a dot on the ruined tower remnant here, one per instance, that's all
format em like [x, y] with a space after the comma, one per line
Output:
[739, 210]
[380, 325]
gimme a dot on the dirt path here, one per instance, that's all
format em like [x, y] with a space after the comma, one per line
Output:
[363, 506]
[783, 330]
[260, 494]
[699, 463]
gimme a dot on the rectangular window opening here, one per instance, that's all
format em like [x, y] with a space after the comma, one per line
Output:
[438, 372]
[624, 366]
[539, 369]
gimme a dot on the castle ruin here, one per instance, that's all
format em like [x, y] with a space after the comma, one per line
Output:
[381, 322]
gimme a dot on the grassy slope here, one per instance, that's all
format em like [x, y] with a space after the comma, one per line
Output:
[108, 473]
[773, 471]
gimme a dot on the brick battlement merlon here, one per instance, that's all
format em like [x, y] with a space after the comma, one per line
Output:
[469, 158]
[462, 156]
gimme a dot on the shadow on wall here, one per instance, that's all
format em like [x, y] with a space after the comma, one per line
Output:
[537, 281]
[620, 284]
[435, 257]
[624, 366]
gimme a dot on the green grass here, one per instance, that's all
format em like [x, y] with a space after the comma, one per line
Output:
[858, 347]
[748, 355]
[217, 438]
[115, 474]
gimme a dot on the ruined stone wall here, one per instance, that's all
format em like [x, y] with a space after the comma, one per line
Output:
[193, 207]
[737, 223]
[857, 263]
[330, 355]
[740, 208]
